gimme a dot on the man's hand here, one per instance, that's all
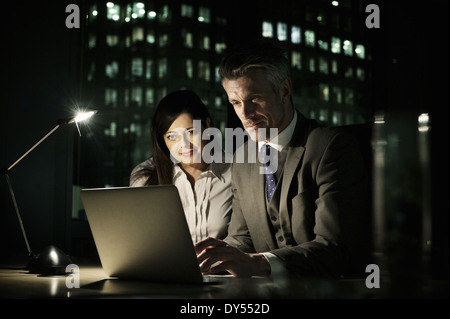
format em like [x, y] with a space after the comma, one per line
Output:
[215, 256]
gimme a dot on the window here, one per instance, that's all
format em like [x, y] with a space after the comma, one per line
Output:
[337, 95]
[136, 95]
[151, 36]
[112, 40]
[112, 69]
[111, 97]
[138, 11]
[187, 11]
[360, 74]
[162, 68]
[203, 70]
[137, 67]
[137, 35]
[163, 40]
[312, 65]
[267, 29]
[189, 69]
[348, 48]
[148, 69]
[324, 92]
[334, 67]
[323, 65]
[205, 43]
[349, 96]
[335, 45]
[296, 34]
[112, 11]
[149, 97]
[187, 37]
[92, 40]
[282, 31]
[296, 61]
[310, 38]
[204, 15]
[360, 51]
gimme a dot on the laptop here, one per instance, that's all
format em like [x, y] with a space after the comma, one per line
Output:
[141, 233]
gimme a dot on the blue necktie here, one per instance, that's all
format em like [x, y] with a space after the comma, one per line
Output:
[269, 173]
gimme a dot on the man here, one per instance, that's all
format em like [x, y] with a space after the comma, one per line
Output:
[313, 223]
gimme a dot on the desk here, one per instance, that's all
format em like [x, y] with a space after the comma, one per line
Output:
[94, 283]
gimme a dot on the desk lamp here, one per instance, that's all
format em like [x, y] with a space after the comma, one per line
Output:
[51, 260]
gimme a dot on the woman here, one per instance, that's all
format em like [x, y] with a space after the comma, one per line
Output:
[177, 159]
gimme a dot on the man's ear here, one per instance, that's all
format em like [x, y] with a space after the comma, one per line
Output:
[208, 122]
[286, 91]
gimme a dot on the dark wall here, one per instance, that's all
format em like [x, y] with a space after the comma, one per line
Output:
[40, 84]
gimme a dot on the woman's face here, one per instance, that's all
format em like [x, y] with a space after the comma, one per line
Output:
[184, 140]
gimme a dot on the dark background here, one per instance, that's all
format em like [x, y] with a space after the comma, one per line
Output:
[41, 81]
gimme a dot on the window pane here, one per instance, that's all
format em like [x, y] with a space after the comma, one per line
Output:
[348, 47]
[360, 51]
[296, 35]
[267, 29]
[335, 45]
[282, 31]
[310, 38]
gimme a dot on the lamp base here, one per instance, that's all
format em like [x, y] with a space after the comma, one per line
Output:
[50, 261]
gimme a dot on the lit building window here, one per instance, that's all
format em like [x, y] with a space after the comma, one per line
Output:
[267, 29]
[137, 67]
[138, 34]
[203, 70]
[323, 65]
[336, 118]
[151, 15]
[220, 47]
[112, 11]
[349, 72]
[204, 15]
[296, 35]
[323, 115]
[91, 71]
[148, 69]
[323, 44]
[337, 95]
[360, 51]
[310, 38]
[334, 67]
[348, 47]
[335, 45]
[360, 74]
[149, 97]
[324, 92]
[189, 69]
[111, 97]
[163, 40]
[312, 65]
[335, 3]
[187, 11]
[296, 61]
[282, 31]
[205, 43]
[165, 13]
[150, 36]
[136, 95]
[92, 40]
[112, 69]
[349, 96]
[138, 11]
[187, 37]
[218, 102]
[112, 40]
[162, 68]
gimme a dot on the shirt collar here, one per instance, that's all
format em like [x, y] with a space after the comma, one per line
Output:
[214, 168]
[284, 137]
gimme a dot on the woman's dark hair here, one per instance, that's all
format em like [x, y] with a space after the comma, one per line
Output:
[168, 109]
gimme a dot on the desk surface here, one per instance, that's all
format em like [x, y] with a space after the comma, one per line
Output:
[94, 283]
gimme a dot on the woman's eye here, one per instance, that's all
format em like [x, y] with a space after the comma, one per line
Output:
[172, 137]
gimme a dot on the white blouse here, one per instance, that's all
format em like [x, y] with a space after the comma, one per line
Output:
[207, 205]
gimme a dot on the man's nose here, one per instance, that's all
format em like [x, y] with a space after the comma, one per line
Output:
[248, 110]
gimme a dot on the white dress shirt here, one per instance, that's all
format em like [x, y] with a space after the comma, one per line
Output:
[207, 205]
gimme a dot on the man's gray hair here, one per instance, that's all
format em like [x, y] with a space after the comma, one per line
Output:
[266, 56]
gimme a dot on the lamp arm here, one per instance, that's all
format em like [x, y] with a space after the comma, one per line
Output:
[16, 207]
[33, 147]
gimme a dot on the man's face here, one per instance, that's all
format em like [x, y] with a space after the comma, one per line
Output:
[257, 105]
